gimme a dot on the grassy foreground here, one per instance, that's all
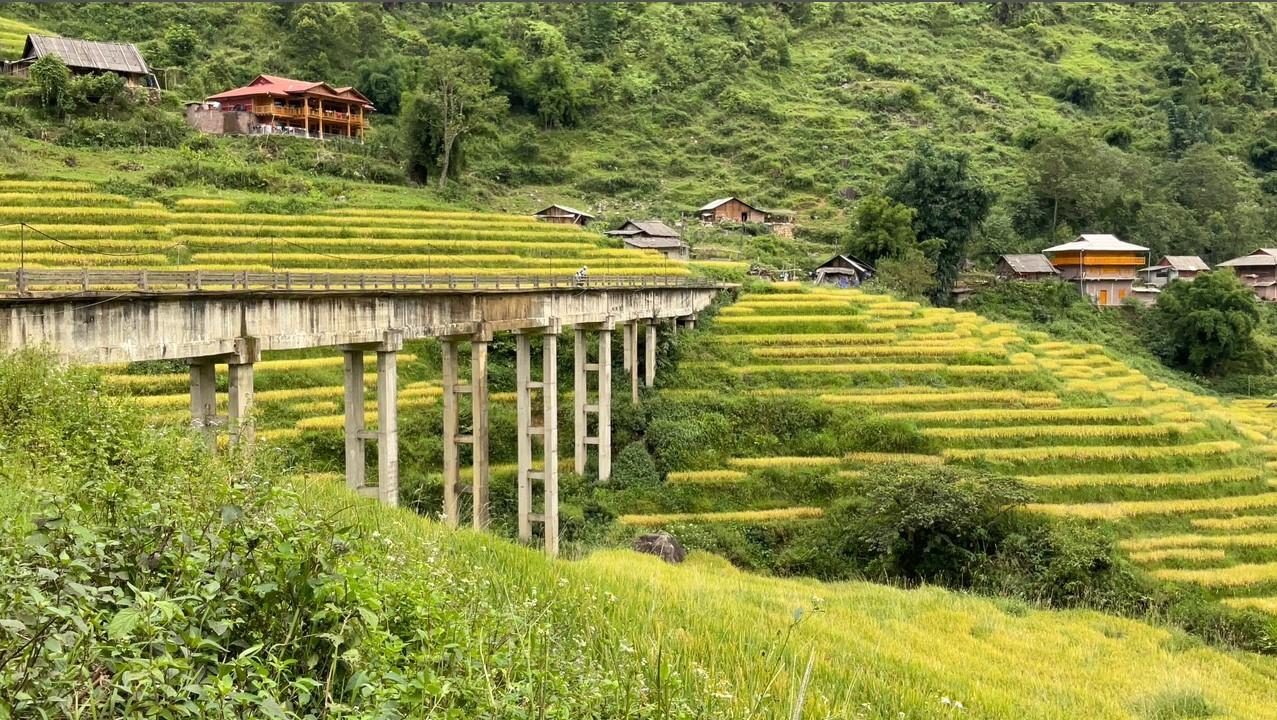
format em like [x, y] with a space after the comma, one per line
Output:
[470, 623]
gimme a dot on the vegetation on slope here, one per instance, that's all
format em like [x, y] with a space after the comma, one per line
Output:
[155, 579]
[1153, 122]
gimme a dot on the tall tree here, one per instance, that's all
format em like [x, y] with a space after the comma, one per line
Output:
[949, 203]
[1207, 325]
[455, 101]
[883, 228]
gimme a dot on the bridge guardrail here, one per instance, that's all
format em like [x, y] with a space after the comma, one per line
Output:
[26, 282]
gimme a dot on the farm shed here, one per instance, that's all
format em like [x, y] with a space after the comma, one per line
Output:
[1258, 270]
[652, 235]
[1102, 266]
[84, 57]
[842, 271]
[730, 209]
[1173, 267]
[563, 215]
[1032, 266]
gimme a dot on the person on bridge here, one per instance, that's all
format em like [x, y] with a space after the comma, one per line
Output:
[581, 276]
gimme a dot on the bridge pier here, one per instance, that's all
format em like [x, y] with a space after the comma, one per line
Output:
[548, 430]
[602, 407]
[453, 439]
[632, 358]
[204, 416]
[387, 433]
[649, 363]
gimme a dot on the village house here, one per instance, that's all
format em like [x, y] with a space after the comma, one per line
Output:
[563, 215]
[1102, 266]
[730, 209]
[1173, 267]
[652, 235]
[1258, 270]
[84, 57]
[1030, 267]
[842, 271]
[276, 105]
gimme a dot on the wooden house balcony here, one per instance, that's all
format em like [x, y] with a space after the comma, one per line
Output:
[313, 113]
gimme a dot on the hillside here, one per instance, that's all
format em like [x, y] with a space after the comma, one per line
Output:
[797, 393]
[624, 109]
[495, 628]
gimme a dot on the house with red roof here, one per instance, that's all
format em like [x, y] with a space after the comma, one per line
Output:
[272, 104]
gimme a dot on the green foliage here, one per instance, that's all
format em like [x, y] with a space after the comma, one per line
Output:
[1207, 325]
[882, 228]
[52, 80]
[1081, 91]
[181, 43]
[633, 467]
[454, 101]
[949, 204]
[911, 274]
[1263, 155]
[922, 524]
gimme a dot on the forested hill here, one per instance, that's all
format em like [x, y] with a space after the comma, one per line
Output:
[1154, 122]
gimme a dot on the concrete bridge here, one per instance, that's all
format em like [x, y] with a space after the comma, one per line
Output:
[233, 325]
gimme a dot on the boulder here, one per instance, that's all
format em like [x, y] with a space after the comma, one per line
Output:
[663, 545]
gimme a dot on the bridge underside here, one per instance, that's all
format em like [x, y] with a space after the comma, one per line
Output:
[235, 327]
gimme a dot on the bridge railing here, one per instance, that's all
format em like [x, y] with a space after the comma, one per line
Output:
[26, 282]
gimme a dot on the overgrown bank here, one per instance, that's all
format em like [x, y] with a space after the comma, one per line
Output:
[142, 576]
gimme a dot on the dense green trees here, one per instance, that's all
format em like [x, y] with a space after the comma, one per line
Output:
[454, 101]
[881, 228]
[949, 203]
[1206, 325]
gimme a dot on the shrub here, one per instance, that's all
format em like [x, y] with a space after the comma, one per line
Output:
[634, 467]
[1263, 155]
[926, 524]
[1118, 136]
[1080, 91]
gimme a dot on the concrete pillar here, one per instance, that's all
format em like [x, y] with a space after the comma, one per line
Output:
[523, 411]
[240, 404]
[204, 399]
[632, 329]
[550, 438]
[691, 321]
[649, 363]
[451, 449]
[604, 418]
[580, 397]
[387, 425]
[627, 345]
[479, 432]
[354, 401]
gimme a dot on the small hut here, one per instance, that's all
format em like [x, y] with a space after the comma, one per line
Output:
[652, 235]
[842, 271]
[83, 57]
[1031, 267]
[1258, 270]
[563, 215]
[730, 209]
[1173, 267]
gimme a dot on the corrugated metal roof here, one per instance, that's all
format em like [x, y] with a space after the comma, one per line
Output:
[89, 54]
[652, 243]
[654, 228]
[1029, 263]
[1262, 257]
[275, 86]
[720, 201]
[566, 209]
[1185, 263]
[1097, 243]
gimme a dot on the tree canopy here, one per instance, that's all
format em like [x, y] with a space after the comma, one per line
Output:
[1207, 325]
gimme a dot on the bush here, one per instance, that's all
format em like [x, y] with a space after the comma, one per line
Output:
[1263, 155]
[634, 467]
[1080, 91]
[1118, 136]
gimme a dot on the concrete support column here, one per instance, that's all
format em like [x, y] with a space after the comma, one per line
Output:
[479, 430]
[649, 363]
[354, 401]
[627, 345]
[523, 411]
[580, 397]
[548, 431]
[550, 438]
[691, 321]
[605, 404]
[387, 426]
[632, 353]
[451, 449]
[240, 404]
[204, 399]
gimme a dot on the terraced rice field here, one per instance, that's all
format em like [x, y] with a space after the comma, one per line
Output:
[13, 35]
[1187, 480]
[74, 225]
